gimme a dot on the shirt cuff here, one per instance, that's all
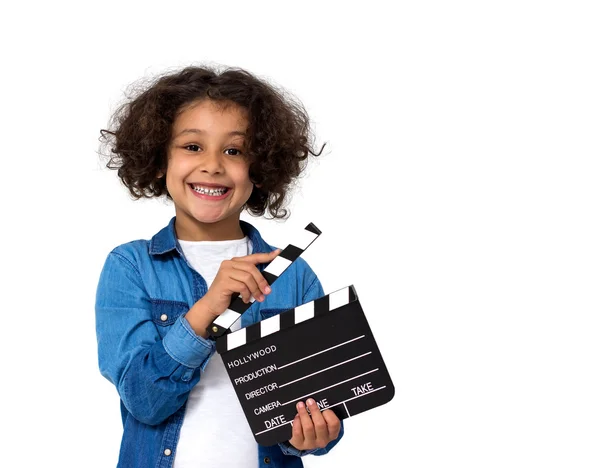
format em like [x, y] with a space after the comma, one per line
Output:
[289, 449]
[187, 348]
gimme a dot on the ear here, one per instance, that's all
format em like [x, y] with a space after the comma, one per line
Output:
[160, 175]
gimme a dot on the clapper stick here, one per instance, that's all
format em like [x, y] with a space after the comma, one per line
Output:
[271, 272]
[322, 349]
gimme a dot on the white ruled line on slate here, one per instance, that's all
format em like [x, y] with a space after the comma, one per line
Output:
[331, 386]
[320, 352]
[328, 407]
[323, 370]
[353, 398]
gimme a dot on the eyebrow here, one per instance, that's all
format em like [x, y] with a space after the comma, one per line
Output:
[200, 132]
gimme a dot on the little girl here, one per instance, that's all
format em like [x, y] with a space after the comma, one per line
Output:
[215, 143]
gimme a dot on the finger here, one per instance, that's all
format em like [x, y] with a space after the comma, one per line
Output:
[308, 430]
[297, 439]
[248, 263]
[233, 286]
[259, 279]
[321, 432]
[244, 274]
[259, 257]
[333, 424]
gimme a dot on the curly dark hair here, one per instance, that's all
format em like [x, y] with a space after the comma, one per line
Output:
[278, 141]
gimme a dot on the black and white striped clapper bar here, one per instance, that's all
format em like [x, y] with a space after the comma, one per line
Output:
[323, 349]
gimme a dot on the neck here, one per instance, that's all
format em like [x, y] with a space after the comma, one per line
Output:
[192, 230]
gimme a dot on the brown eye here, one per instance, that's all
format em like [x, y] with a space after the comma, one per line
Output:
[233, 152]
[193, 148]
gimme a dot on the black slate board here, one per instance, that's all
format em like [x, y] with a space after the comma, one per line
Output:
[324, 349]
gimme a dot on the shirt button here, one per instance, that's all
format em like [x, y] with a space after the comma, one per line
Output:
[267, 460]
[164, 317]
[167, 452]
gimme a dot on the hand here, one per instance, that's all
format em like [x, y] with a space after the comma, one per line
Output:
[238, 275]
[314, 430]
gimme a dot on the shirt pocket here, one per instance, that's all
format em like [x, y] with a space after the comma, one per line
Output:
[165, 313]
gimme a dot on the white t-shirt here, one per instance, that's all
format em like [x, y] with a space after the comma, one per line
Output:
[215, 431]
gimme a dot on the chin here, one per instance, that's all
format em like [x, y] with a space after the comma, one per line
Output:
[208, 219]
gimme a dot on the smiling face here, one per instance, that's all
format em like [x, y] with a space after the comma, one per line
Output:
[207, 171]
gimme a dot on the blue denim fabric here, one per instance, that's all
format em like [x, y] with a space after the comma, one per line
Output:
[148, 350]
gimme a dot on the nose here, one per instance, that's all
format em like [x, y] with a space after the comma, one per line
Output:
[211, 162]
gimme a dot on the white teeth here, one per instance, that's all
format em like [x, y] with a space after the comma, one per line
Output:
[207, 191]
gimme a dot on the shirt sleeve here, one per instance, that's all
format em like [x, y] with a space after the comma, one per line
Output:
[153, 374]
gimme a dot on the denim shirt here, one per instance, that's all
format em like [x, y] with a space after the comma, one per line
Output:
[149, 351]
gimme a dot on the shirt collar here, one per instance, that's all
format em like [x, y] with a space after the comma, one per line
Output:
[166, 240]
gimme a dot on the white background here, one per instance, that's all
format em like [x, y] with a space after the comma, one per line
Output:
[459, 194]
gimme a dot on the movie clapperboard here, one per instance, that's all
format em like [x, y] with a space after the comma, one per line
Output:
[323, 349]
